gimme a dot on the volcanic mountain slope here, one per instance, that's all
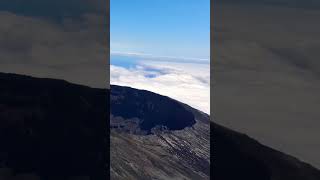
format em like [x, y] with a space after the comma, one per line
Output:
[155, 137]
[183, 153]
[51, 129]
[237, 156]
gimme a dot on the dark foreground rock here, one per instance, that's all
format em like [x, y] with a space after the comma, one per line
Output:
[237, 156]
[51, 129]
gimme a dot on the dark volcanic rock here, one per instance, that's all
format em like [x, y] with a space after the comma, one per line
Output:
[176, 145]
[184, 153]
[150, 108]
[236, 156]
[52, 128]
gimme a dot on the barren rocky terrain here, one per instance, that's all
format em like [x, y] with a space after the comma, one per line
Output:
[52, 129]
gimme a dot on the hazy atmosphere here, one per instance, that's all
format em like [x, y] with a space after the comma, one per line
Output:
[266, 73]
[61, 39]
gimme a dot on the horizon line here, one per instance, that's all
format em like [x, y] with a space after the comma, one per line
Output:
[160, 58]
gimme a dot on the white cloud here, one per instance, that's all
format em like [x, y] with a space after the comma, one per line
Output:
[185, 82]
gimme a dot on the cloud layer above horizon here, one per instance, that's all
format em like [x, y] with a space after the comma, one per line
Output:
[188, 82]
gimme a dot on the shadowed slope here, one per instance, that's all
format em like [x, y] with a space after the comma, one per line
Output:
[150, 108]
[52, 128]
[237, 156]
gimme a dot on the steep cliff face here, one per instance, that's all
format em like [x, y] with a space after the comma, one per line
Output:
[150, 109]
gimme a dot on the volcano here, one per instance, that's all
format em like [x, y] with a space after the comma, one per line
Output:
[53, 129]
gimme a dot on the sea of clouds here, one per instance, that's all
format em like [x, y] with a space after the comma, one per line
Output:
[188, 82]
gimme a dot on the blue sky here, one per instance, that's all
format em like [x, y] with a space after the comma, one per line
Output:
[178, 28]
[162, 46]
